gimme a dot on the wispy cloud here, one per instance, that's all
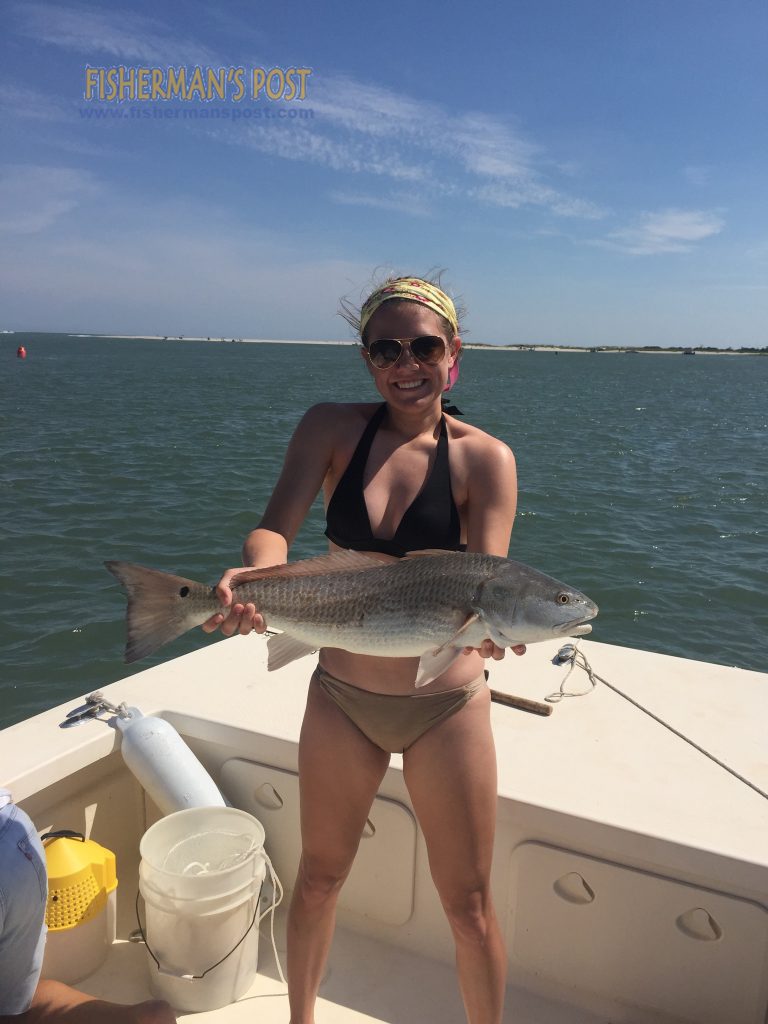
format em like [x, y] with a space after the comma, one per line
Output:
[359, 127]
[19, 101]
[665, 231]
[19, 105]
[533, 193]
[366, 129]
[488, 147]
[398, 202]
[118, 33]
[295, 141]
[33, 198]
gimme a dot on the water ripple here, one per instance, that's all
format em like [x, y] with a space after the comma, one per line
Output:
[643, 481]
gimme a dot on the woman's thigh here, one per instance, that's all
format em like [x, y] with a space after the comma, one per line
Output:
[339, 773]
[451, 777]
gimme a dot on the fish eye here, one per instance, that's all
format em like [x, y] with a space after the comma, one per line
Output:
[562, 598]
[184, 592]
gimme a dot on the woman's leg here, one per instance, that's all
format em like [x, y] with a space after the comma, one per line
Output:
[450, 772]
[339, 773]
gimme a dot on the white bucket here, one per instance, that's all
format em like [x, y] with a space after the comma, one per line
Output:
[200, 875]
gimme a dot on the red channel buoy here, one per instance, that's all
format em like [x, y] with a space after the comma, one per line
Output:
[21, 352]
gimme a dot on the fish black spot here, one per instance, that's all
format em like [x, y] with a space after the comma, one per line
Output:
[184, 592]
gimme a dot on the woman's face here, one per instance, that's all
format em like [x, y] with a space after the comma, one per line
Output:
[409, 384]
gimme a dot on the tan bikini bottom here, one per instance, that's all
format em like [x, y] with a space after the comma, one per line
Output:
[394, 721]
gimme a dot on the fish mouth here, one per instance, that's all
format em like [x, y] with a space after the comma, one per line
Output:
[580, 629]
[576, 627]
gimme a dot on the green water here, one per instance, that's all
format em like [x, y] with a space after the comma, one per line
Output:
[643, 481]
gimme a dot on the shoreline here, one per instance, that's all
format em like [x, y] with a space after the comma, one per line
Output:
[469, 346]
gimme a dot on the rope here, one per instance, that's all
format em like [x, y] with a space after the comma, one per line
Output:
[276, 901]
[577, 658]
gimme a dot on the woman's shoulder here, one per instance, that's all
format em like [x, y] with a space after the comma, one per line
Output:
[476, 444]
[338, 414]
[335, 420]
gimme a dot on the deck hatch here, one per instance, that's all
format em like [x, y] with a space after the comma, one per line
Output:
[630, 936]
[381, 883]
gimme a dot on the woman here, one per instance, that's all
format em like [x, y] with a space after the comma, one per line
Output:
[396, 477]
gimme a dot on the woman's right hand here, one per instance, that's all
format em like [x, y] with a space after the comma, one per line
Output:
[235, 617]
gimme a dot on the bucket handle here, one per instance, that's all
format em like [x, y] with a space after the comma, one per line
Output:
[63, 833]
[191, 977]
[271, 910]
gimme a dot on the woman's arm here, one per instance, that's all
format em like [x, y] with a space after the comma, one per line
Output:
[491, 496]
[307, 461]
[491, 508]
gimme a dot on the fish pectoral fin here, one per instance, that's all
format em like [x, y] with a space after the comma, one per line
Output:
[471, 619]
[282, 649]
[338, 561]
[434, 663]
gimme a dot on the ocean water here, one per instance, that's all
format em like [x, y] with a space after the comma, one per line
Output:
[643, 481]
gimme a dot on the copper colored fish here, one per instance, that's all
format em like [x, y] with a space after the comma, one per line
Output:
[428, 605]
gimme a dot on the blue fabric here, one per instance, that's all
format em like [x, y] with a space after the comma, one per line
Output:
[23, 895]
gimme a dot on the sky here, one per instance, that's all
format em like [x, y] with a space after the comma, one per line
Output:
[584, 171]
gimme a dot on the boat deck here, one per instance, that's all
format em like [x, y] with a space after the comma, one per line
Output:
[630, 867]
[366, 981]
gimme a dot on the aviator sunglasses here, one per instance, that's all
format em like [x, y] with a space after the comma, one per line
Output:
[428, 349]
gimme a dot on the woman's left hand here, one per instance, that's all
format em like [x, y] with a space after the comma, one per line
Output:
[488, 649]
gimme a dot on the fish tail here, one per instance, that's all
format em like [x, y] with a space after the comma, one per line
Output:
[160, 607]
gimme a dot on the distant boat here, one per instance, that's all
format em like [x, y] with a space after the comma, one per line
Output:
[689, 352]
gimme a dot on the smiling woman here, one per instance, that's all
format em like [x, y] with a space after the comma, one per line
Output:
[397, 477]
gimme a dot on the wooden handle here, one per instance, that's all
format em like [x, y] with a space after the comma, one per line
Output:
[535, 707]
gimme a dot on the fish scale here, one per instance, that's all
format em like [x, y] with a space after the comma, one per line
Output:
[397, 591]
[374, 610]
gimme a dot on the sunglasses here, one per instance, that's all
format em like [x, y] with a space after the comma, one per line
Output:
[385, 352]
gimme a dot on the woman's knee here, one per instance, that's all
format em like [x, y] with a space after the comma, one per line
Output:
[319, 881]
[470, 914]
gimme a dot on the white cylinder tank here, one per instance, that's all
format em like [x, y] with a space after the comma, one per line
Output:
[164, 764]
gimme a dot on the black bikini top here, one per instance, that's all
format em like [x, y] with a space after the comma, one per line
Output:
[430, 521]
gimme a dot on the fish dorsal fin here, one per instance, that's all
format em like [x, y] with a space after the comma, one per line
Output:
[337, 561]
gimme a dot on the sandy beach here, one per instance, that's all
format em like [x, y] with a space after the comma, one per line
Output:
[470, 347]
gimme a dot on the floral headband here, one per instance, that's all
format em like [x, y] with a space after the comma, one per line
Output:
[415, 289]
